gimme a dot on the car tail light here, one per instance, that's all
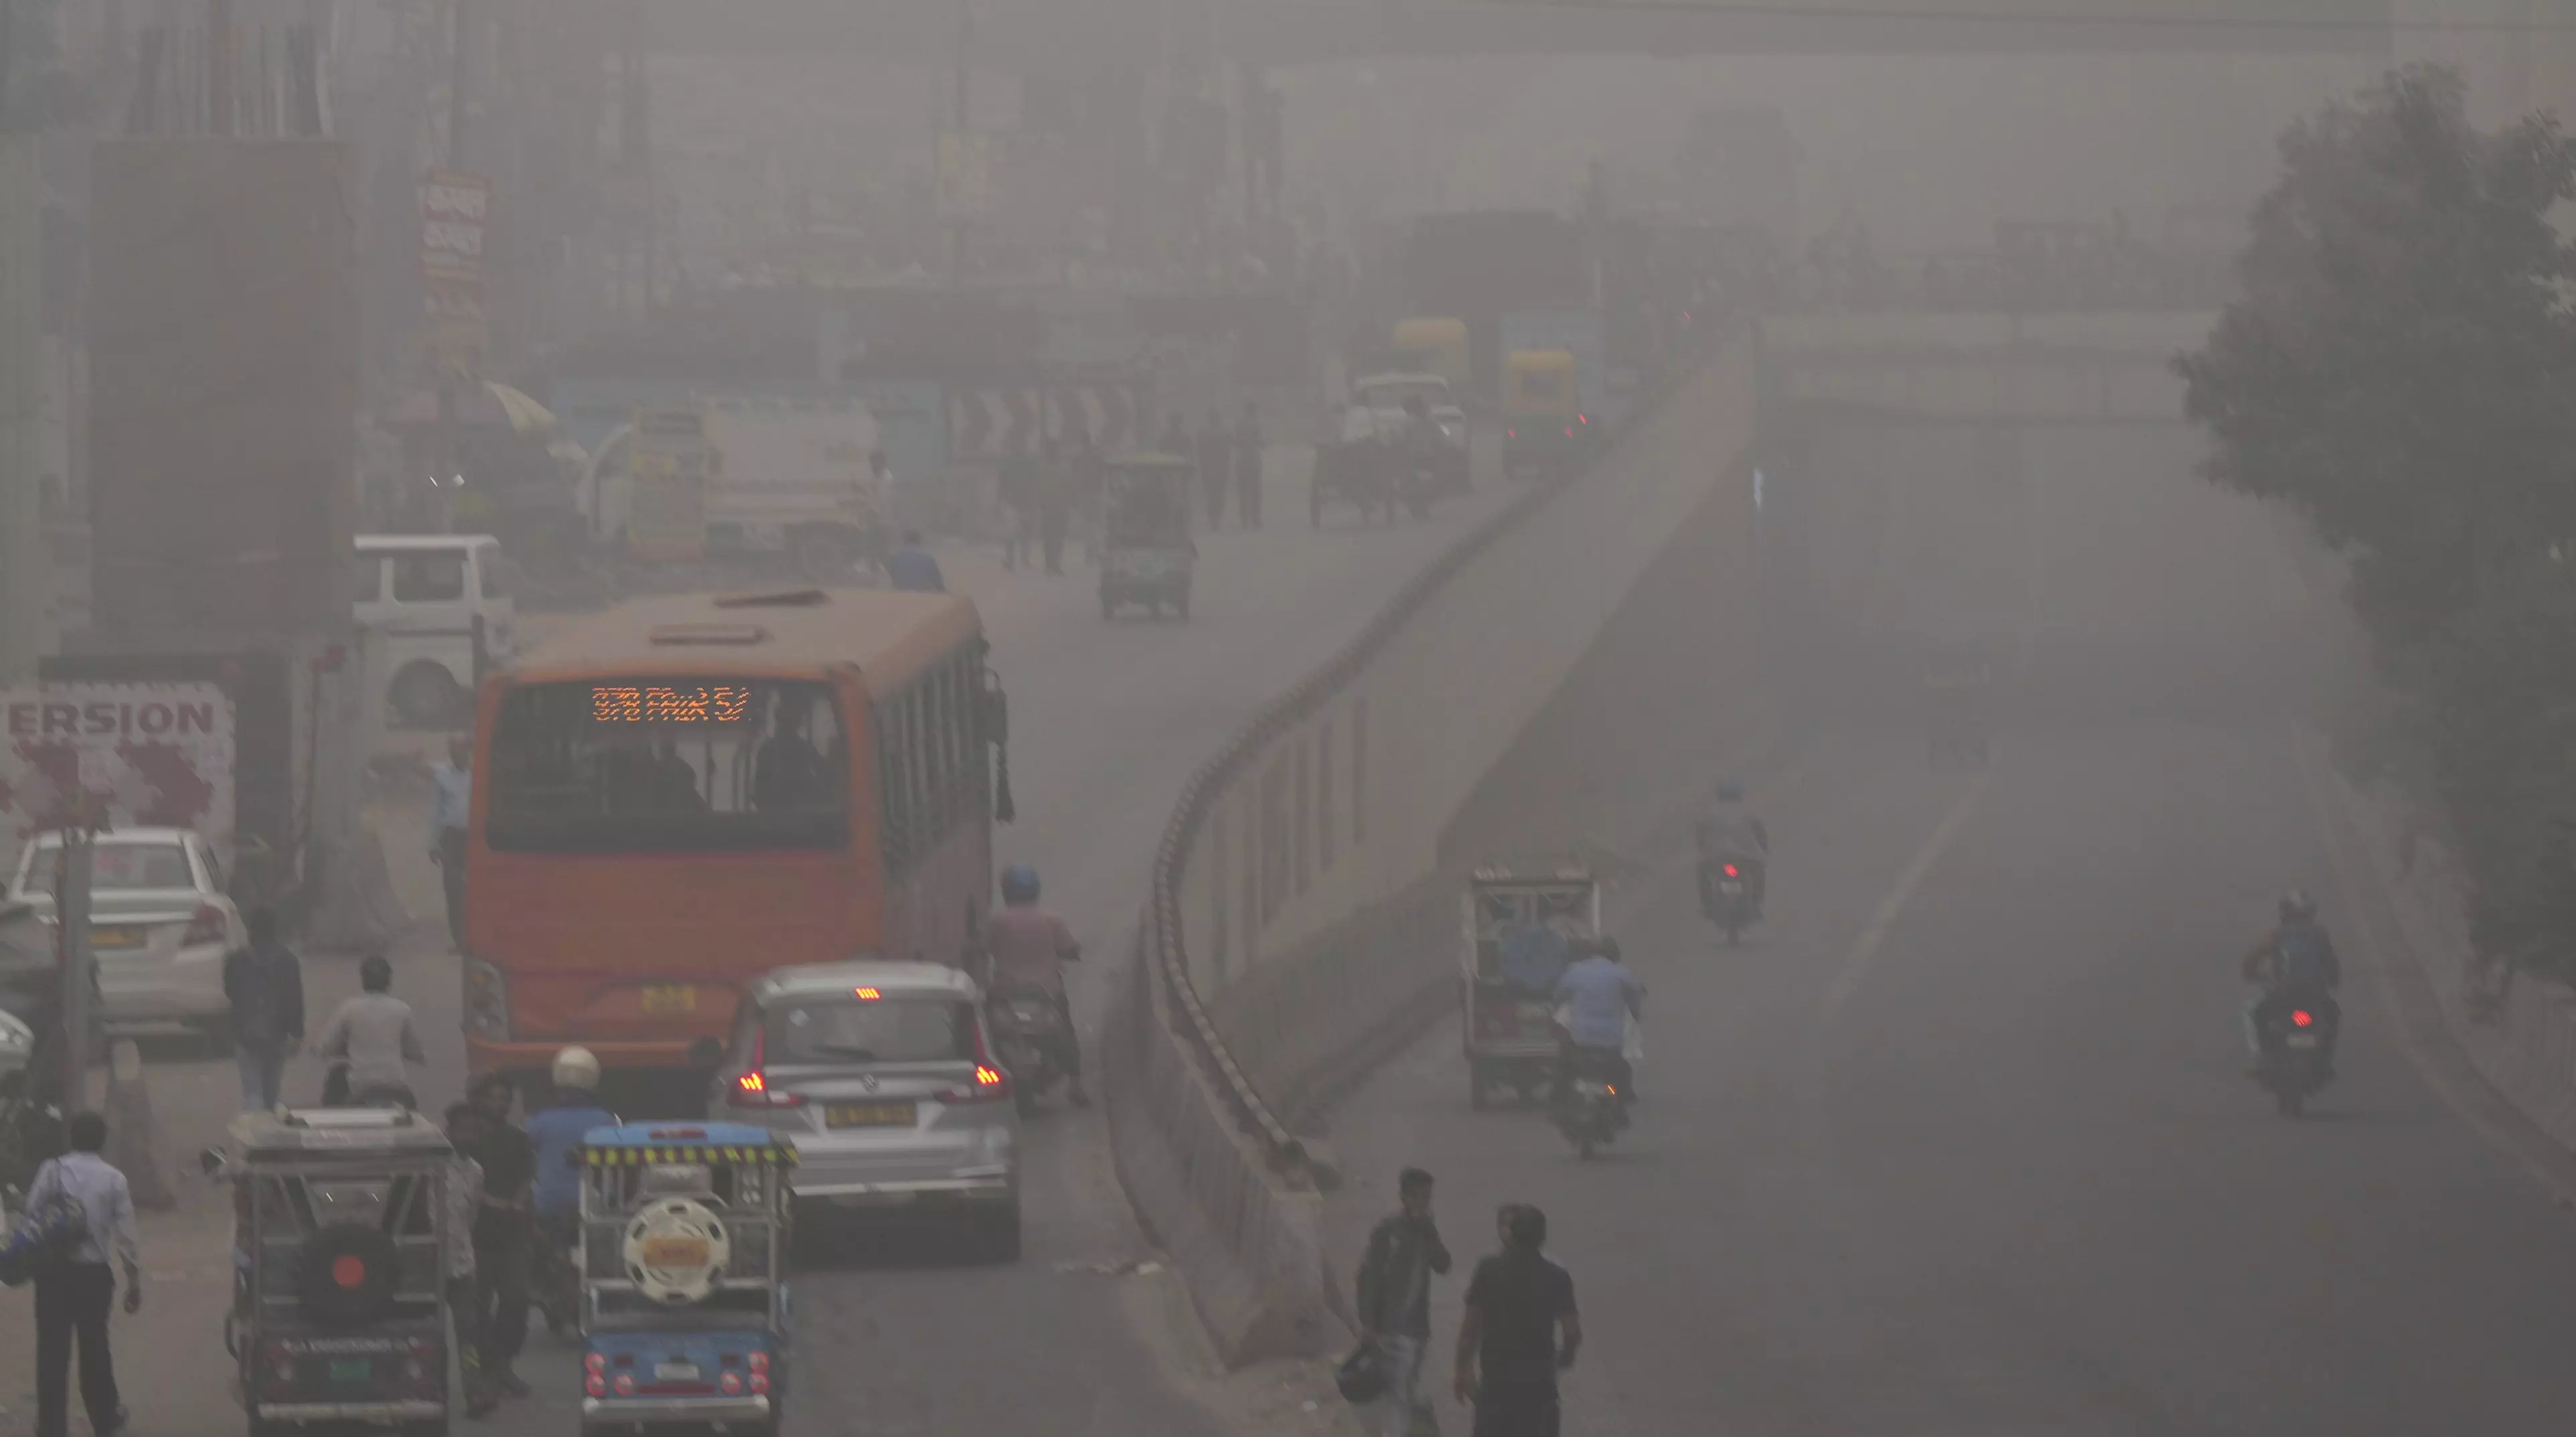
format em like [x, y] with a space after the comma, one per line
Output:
[751, 1088]
[487, 1000]
[991, 1085]
[206, 925]
[2301, 1020]
[730, 1384]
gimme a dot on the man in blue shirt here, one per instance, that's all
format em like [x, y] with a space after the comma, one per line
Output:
[451, 804]
[1598, 995]
[911, 568]
[556, 1130]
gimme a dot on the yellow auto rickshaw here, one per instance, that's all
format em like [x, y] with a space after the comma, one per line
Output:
[1435, 346]
[1544, 426]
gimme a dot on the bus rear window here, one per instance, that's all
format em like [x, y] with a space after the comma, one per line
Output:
[668, 765]
[854, 1030]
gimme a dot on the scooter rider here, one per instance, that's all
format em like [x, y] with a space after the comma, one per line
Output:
[2297, 965]
[1599, 995]
[1730, 832]
[556, 1130]
[1025, 949]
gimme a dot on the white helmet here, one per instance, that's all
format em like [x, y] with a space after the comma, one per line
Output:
[577, 1068]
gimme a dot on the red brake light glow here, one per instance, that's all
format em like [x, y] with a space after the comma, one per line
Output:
[867, 995]
[991, 1085]
[1730, 870]
[2301, 1019]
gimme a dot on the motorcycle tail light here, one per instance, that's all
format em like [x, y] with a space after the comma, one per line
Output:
[1730, 871]
[2301, 1020]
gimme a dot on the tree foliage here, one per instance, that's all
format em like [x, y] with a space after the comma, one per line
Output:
[2398, 368]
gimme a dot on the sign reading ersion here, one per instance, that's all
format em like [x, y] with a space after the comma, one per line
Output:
[669, 703]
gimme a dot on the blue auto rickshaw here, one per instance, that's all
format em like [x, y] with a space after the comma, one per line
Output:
[684, 1310]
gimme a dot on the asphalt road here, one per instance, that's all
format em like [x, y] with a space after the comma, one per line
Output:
[1960, 1142]
[909, 1332]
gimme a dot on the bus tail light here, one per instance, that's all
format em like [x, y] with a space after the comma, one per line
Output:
[487, 1000]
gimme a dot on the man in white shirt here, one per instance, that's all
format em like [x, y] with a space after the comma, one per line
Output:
[73, 1294]
[373, 1033]
[451, 806]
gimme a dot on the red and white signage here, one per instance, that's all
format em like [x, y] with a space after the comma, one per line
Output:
[453, 211]
[143, 755]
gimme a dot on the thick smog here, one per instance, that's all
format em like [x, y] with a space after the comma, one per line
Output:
[958, 715]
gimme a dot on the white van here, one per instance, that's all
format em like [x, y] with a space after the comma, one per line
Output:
[430, 596]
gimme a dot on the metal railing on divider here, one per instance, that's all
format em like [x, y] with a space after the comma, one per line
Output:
[1160, 939]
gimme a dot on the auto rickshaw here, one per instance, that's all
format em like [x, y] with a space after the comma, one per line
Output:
[1521, 923]
[344, 1231]
[684, 1278]
[1544, 429]
[1147, 557]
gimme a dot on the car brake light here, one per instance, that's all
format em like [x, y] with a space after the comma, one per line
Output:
[751, 1088]
[991, 1085]
[867, 995]
[206, 925]
[2301, 1020]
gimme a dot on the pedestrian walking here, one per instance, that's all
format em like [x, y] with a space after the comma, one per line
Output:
[451, 806]
[464, 1302]
[264, 984]
[1247, 466]
[1055, 503]
[503, 1233]
[374, 1037]
[1519, 1332]
[76, 1287]
[1019, 493]
[1394, 1290]
[1214, 452]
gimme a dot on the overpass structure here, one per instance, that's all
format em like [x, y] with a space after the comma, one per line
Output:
[1021, 34]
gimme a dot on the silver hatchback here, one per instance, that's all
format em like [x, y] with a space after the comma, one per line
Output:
[884, 1078]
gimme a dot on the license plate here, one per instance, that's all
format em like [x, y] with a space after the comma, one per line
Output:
[868, 1115]
[351, 1369]
[125, 937]
[670, 1254]
[663, 1000]
[2303, 1040]
[1731, 888]
[675, 1372]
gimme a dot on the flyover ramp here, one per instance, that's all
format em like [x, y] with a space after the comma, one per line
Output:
[1301, 903]
[1960, 1140]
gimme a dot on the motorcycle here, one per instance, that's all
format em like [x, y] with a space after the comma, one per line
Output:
[1026, 1025]
[1726, 896]
[2294, 1063]
[1596, 1111]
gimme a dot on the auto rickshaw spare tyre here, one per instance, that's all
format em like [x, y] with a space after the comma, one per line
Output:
[347, 1272]
[676, 1251]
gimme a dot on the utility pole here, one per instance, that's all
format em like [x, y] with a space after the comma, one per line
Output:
[460, 41]
[961, 115]
[79, 993]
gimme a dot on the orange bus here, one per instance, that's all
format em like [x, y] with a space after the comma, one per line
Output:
[676, 795]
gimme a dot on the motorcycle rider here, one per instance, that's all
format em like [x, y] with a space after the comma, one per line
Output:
[2298, 968]
[1422, 440]
[555, 1131]
[1731, 833]
[1599, 995]
[1025, 949]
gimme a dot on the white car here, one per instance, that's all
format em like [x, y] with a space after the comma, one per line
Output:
[160, 925]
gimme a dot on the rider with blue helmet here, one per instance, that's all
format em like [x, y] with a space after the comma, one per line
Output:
[1025, 949]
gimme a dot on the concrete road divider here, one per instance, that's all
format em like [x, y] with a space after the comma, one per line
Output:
[1301, 916]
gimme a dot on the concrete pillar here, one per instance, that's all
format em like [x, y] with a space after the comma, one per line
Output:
[26, 575]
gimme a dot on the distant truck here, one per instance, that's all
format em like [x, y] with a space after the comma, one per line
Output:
[790, 480]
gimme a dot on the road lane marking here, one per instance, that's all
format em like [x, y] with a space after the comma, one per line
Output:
[1862, 958]
[2516, 1136]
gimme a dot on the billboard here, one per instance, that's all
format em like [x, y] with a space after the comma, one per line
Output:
[144, 755]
